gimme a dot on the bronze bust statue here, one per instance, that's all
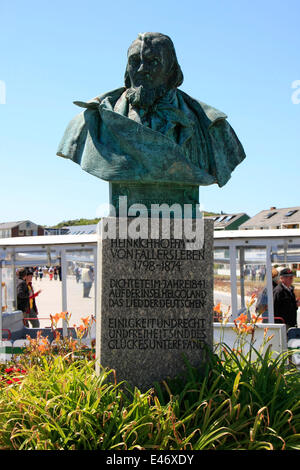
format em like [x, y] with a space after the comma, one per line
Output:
[149, 139]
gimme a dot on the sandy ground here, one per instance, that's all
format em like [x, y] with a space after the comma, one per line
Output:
[49, 301]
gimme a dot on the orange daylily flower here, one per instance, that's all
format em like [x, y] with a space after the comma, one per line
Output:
[217, 308]
[57, 335]
[242, 318]
[248, 328]
[80, 330]
[55, 318]
[62, 315]
[256, 318]
[86, 321]
[65, 315]
[43, 346]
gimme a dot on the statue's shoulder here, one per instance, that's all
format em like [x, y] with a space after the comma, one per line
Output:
[75, 132]
[213, 114]
[114, 95]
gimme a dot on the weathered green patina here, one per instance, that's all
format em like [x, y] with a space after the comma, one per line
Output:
[150, 140]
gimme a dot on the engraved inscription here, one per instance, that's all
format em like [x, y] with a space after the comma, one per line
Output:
[151, 255]
[156, 333]
[160, 293]
[166, 309]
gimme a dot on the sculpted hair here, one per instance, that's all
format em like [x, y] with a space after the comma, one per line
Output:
[176, 77]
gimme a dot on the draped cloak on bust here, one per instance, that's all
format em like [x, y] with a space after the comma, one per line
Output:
[183, 141]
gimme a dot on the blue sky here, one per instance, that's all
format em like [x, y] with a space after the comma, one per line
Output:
[239, 56]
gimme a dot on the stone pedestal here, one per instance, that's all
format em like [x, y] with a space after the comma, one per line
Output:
[155, 303]
[148, 194]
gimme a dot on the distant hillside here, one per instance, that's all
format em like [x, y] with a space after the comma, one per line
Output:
[66, 223]
[209, 214]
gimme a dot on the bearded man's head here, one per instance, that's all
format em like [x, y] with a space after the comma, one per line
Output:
[152, 69]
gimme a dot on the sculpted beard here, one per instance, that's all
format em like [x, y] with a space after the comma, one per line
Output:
[143, 97]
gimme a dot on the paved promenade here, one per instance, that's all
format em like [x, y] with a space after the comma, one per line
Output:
[49, 301]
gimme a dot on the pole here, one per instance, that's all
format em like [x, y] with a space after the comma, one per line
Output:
[232, 254]
[95, 280]
[242, 276]
[269, 284]
[13, 267]
[63, 262]
[1, 300]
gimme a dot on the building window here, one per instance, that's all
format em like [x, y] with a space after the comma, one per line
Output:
[270, 214]
[289, 213]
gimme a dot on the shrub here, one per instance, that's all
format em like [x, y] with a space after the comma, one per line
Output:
[62, 405]
[238, 400]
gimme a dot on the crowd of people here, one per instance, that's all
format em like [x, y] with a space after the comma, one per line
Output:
[54, 272]
[255, 273]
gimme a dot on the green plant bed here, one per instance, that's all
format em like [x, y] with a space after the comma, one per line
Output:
[232, 403]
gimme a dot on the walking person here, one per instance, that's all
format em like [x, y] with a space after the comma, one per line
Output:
[87, 276]
[285, 302]
[77, 273]
[26, 297]
[40, 270]
[32, 311]
[22, 293]
[51, 272]
[262, 273]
